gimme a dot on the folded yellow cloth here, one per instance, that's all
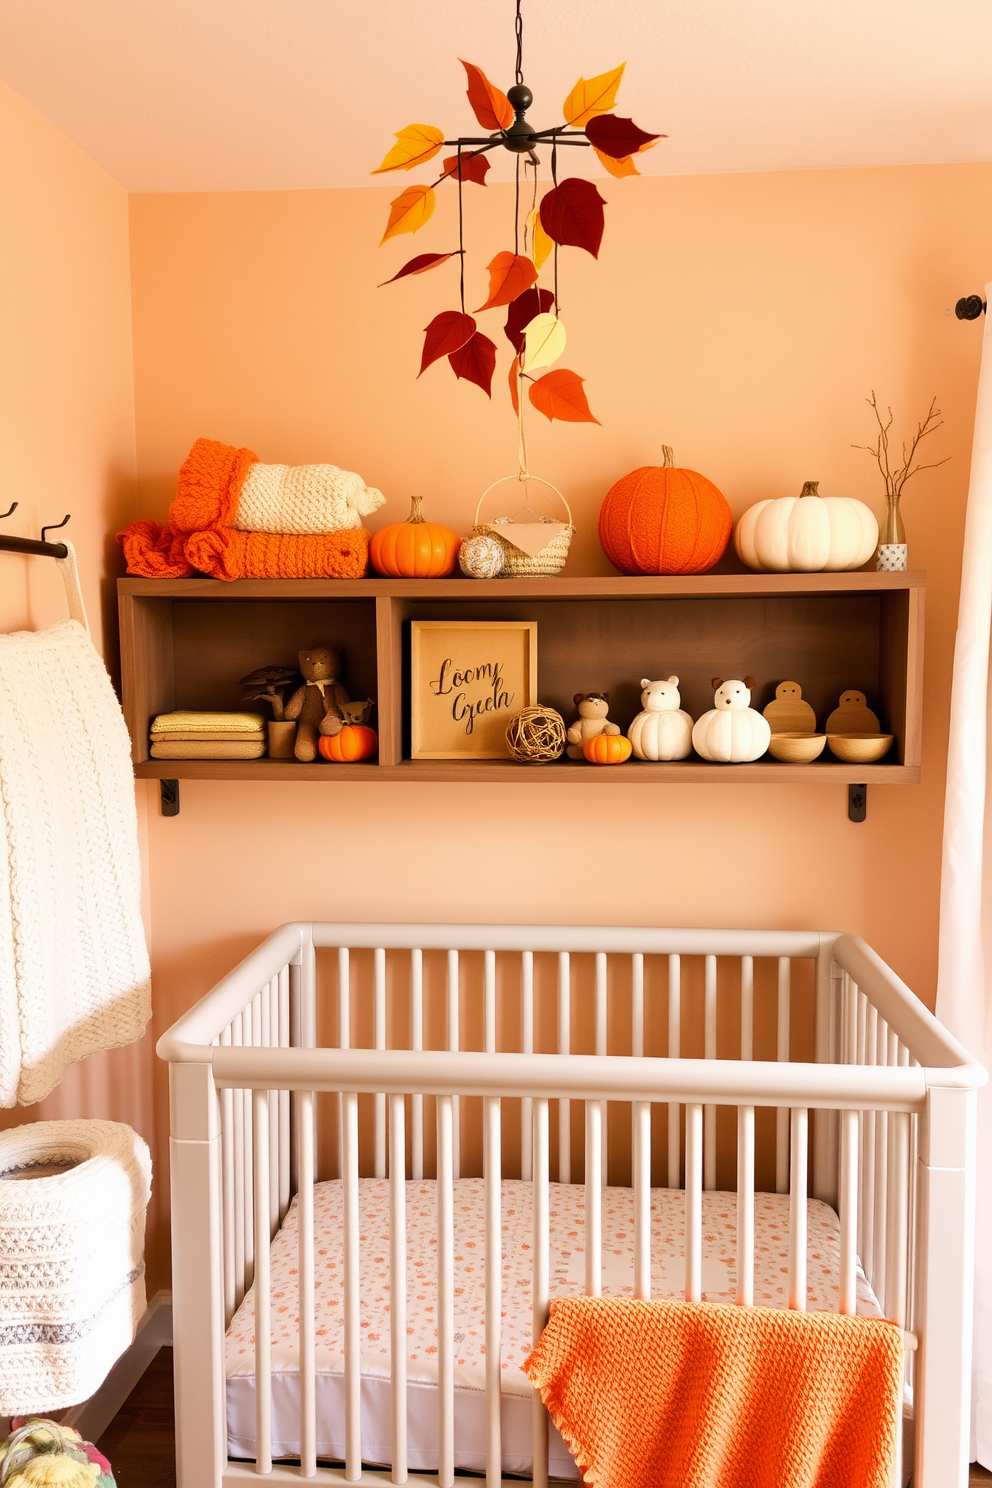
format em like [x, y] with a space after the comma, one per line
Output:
[214, 736]
[186, 721]
[208, 749]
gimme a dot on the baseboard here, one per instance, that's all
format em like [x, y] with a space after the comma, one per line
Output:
[92, 1418]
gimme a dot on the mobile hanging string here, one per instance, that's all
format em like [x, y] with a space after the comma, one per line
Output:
[519, 29]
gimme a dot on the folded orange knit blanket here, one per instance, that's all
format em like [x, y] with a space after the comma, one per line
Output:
[699, 1395]
[156, 552]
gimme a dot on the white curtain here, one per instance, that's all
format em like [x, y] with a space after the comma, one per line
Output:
[964, 984]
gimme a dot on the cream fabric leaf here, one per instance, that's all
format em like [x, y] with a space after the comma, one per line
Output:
[544, 341]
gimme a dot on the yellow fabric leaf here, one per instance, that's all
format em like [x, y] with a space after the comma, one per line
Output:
[409, 211]
[593, 96]
[541, 244]
[414, 144]
[544, 341]
[623, 167]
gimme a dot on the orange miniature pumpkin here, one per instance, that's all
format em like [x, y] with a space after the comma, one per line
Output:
[607, 749]
[416, 548]
[356, 741]
[663, 520]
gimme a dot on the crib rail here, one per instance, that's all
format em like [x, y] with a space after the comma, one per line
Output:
[889, 1141]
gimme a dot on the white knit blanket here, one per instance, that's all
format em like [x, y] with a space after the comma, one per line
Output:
[73, 963]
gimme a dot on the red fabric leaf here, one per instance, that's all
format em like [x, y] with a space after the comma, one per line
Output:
[446, 333]
[509, 275]
[573, 214]
[476, 362]
[522, 311]
[489, 103]
[474, 168]
[617, 137]
[419, 265]
[560, 395]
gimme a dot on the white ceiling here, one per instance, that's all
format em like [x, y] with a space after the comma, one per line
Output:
[238, 95]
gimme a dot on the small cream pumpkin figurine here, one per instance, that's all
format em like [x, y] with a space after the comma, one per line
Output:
[806, 533]
[732, 732]
[592, 720]
[663, 731]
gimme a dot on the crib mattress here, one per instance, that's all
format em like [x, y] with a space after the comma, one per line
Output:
[567, 1211]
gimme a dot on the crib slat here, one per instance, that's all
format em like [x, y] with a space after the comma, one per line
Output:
[492, 1170]
[252, 1020]
[540, 1282]
[564, 1047]
[416, 1042]
[352, 1309]
[747, 1007]
[305, 1169]
[848, 1205]
[240, 1252]
[526, 1047]
[344, 1039]
[379, 1042]
[674, 1037]
[227, 1170]
[445, 1297]
[602, 1014]
[637, 1005]
[782, 1055]
[798, 1210]
[867, 1244]
[709, 1111]
[274, 1144]
[454, 1033]
[263, 1296]
[881, 1212]
[693, 1229]
[594, 1198]
[641, 1164]
[285, 1146]
[745, 1206]
[489, 1001]
[896, 1261]
[397, 1281]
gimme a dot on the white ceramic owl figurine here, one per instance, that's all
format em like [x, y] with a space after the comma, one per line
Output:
[663, 731]
[732, 732]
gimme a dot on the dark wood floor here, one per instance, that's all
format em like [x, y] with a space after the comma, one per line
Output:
[141, 1439]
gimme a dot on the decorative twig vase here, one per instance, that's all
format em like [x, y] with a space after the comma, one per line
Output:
[893, 552]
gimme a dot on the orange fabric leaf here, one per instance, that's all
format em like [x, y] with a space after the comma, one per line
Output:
[474, 168]
[489, 103]
[624, 167]
[593, 96]
[414, 144]
[409, 211]
[560, 395]
[420, 265]
[515, 384]
[509, 275]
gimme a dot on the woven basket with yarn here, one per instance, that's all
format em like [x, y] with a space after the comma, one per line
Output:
[519, 565]
[43, 1454]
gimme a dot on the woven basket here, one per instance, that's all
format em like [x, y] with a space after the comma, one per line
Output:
[549, 560]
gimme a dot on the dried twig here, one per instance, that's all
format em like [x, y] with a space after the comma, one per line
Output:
[896, 478]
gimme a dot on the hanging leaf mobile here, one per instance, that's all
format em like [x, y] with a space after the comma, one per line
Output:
[569, 214]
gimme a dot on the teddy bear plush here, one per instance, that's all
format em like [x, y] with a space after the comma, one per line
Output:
[592, 720]
[316, 705]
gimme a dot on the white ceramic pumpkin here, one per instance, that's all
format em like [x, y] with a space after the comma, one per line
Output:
[664, 730]
[732, 732]
[806, 534]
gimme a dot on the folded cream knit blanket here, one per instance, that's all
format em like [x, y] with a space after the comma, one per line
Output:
[74, 976]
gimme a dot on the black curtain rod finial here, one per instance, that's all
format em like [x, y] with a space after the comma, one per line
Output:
[969, 307]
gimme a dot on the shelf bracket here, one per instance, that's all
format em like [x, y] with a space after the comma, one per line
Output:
[169, 797]
[857, 802]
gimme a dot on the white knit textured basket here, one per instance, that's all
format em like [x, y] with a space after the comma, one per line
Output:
[520, 565]
[72, 1272]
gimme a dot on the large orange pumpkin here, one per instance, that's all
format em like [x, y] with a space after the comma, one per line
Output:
[416, 548]
[607, 749]
[356, 741]
[663, 520]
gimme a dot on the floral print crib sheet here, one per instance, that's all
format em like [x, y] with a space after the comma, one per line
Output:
[567, 1212]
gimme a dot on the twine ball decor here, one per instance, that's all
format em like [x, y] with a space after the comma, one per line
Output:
[536, 736]
[481, 557]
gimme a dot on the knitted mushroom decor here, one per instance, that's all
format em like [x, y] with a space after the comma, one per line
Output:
[43, 1454]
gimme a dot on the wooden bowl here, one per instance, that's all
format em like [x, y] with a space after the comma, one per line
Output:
[860, 749]
[796, 749]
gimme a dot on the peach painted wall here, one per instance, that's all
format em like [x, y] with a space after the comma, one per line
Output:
[67, 444]
[741, 319]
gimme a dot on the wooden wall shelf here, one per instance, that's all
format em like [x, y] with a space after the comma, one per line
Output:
[185, 643]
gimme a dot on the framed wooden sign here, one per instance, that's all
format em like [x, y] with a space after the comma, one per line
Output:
[467, 679]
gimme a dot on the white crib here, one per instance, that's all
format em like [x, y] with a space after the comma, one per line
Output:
[262, 1106]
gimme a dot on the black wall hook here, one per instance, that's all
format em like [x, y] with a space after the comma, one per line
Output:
[969, 307]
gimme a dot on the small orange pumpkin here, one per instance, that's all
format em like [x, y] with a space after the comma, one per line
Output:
[663, 520]
[416, 548]
[356, 741]
[607, 749]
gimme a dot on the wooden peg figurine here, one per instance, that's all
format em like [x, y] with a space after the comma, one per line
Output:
[788, 713]
[853, 716]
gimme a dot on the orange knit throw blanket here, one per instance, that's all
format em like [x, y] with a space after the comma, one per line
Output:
[198, 538]
[696, 1395]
